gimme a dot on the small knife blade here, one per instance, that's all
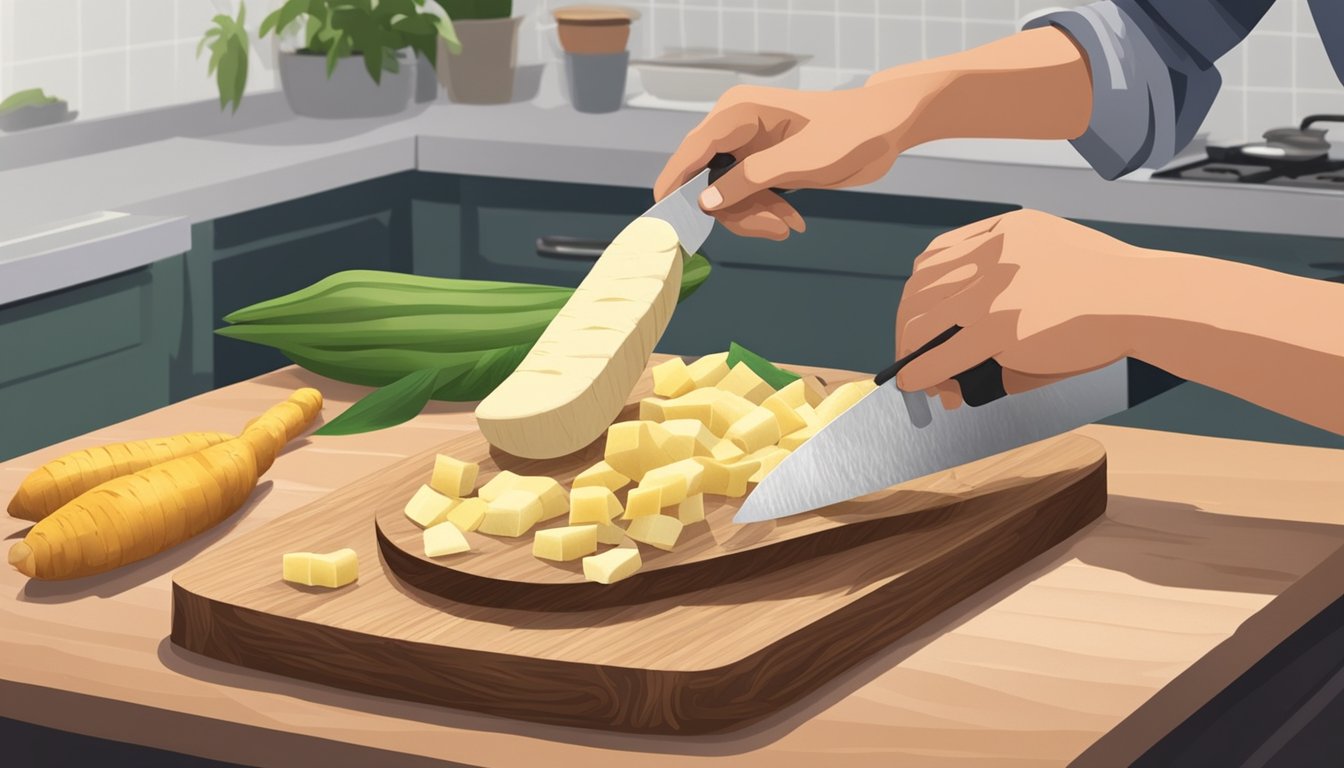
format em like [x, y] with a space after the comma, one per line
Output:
[875, 444]
[682, 210]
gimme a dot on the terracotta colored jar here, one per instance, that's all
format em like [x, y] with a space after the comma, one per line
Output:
[594, 28]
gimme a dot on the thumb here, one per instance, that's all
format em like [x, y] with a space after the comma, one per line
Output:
[770, 167]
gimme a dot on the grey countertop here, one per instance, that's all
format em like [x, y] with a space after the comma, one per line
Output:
[191, 164]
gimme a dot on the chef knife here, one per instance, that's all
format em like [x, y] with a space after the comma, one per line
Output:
[891, 436]
[682, 209]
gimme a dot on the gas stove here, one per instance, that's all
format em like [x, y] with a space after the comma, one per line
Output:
[1232, 165]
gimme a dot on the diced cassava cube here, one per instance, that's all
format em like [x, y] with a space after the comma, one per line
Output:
[793, 440]
[727, 479]
[686, 438]
[632, 447]
[754, 431]
[725, 450]
[444, 539]
[709, 370]
[661, 531]
[497, 485]
[672, 378]
[428, 507]
[804, 391]
[844, 396]
[468, 514]
[677, 480]
[612, 566]
[563, 544]
[551, 494]
[643, 501]
[593, 504]
[691, 509]
[788, 418]
[511, 513]
[452, 477]
[743, 382]
[610, 534]
[770, 456]
[602, 475]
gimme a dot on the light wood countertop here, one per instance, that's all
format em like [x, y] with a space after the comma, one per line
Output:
[1211, 552]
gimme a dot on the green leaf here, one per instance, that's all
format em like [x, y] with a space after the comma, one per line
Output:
[772, 375]
[388, 406]
[480, 380]
[694, 273]
[449, 34]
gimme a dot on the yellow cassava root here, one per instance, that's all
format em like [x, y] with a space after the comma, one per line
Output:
[51, 485]
[131, 517]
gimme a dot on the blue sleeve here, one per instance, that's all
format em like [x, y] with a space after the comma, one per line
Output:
[1153, 79]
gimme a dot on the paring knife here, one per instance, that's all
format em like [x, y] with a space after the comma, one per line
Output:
[682, 209]
[891, 436]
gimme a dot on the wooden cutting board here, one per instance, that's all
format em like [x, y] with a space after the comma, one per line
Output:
[714, 651]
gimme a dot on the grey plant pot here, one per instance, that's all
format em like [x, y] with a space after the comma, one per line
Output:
[483, 72]
[349, 92]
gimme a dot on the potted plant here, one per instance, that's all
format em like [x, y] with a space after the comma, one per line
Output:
[351, 60]
[483, 69]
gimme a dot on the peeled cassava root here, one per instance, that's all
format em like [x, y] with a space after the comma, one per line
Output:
[575, 380]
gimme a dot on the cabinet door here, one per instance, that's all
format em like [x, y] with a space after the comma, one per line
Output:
[824, 297]
[79, 359]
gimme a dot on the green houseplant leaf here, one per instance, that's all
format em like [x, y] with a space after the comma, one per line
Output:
[770, 373]
[477, 9]
[228, 44]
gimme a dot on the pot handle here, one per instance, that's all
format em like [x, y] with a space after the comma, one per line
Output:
[1306, 122]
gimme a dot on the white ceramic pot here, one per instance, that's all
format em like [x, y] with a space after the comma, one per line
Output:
[349, 92]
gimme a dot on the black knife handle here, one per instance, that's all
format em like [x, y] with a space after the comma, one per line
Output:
[979, 385]
[723, 162]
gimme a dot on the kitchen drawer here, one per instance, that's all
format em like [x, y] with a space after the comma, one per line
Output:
[857, 234]
[70, 326]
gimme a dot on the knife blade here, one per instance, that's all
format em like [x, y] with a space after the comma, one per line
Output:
[891, 436]
[682, 208]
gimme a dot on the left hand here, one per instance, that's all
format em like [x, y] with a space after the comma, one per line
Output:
[1045, 297]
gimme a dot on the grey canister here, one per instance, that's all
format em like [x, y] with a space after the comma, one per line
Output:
[597, 80]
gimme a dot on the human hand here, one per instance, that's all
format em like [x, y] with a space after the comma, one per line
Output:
[1045, 297]
[788, 139]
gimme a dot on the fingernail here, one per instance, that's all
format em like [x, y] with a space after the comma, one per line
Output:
[711, 198]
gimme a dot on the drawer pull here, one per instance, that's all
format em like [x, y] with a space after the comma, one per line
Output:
[570, 248]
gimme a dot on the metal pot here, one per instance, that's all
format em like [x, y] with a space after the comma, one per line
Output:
[1300, 143]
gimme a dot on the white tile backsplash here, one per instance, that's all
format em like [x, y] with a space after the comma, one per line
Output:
[108, 56]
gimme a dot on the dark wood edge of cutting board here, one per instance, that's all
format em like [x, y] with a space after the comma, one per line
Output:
[631, 699]
[652, 584]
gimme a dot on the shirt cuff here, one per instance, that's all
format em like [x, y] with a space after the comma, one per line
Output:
[1145, 108]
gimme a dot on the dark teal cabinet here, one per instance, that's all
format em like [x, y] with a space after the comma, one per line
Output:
[87, 356]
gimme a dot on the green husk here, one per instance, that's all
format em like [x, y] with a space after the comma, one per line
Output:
[416, 338]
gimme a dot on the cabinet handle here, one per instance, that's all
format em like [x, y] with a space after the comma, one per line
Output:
[570, 248]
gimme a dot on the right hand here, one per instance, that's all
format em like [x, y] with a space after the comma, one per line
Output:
[789, 139]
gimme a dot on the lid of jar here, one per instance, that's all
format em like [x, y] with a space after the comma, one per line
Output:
[595, 14]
